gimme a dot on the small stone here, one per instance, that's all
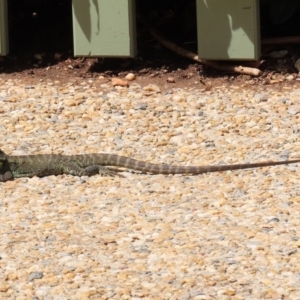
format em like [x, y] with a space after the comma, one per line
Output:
[4, 287]
[179, 98]
[70, 102]
[171, 80]
[12, 276]
[79, 96]
[35, 275]
[141, 106]
[57, 56]
[130, 76]
[274, 220]
[119, 82]
[148, 285]
[38, 56]
[151, 88]
[293, 111]
[278, 54]
[297, 64]
[261, 97]
[230, 292]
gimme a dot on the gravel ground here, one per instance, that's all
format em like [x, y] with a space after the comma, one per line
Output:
[229, 235]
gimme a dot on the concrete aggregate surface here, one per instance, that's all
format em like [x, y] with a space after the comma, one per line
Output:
[224, 235]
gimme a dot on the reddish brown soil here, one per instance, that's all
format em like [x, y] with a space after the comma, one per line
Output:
[41, 48]
[165, 72]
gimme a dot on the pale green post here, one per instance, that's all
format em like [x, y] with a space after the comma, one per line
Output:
[228, 29]
[3, 28]
[104, 28]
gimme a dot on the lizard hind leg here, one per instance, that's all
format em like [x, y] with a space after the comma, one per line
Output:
[96, 169]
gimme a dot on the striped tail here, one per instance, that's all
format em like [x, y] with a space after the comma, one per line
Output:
[105, 159]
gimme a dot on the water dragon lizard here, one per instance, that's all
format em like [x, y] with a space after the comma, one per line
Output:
[97, 163]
